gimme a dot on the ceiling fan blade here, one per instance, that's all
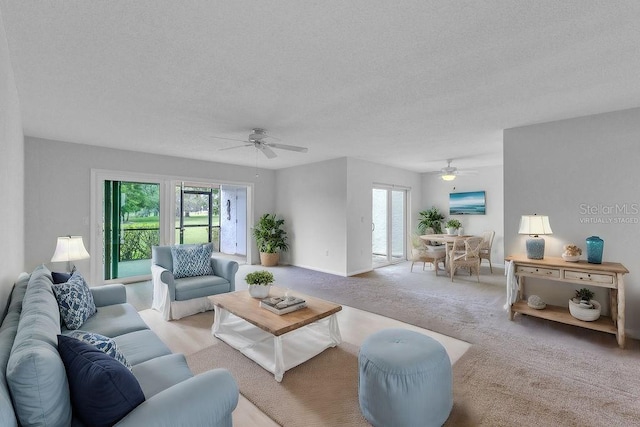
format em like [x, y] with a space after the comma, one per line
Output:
[287, 147]
[266, 150]
[234, 147]
[229, 139]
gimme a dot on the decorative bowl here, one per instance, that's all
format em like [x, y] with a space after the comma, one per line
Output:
[536, 302]
[580, 312]
[571, 258]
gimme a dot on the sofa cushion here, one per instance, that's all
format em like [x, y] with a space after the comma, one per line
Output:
[140, 346]
[158, 374]
[75, 301]
[191, 260]
[201, 286]
[103, 391]
[35, 373]
[8, 330]
[114, 320]
[105, 344]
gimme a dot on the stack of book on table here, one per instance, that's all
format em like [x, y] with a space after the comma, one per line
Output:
[282, 305]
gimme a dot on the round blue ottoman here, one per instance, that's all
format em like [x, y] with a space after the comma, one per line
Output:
[404, 379]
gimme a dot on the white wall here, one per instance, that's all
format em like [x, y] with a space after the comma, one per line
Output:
[58, 188]
[560, 168]
[312, 200]
[435, 192]
[327, 206]
[12, 209]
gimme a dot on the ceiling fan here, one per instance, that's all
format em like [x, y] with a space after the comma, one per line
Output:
[450, 172]
[257, 140]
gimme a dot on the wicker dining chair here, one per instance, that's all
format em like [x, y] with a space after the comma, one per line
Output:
[485, 248]
[421, 252]
[469, 258]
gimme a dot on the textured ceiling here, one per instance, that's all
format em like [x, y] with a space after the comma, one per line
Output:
[408, 84]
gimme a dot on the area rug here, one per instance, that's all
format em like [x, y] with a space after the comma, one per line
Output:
[526, 372]
[320, 392]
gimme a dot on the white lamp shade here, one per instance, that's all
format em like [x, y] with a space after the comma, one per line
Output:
[534, 225]
[448, 177]
[69, 248]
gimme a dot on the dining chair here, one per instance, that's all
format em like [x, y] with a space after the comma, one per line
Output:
[469, 257]
[421, 252]
[485, 248]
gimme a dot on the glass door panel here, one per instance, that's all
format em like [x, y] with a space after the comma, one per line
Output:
[198, 215]
[131, 226]
[397, 228]
[388, 228]
[379, 227]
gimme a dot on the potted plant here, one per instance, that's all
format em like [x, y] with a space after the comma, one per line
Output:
[571, 253]
[259, 283]
[584, 307]
[452, 226]
[431, 218]
[271, 238]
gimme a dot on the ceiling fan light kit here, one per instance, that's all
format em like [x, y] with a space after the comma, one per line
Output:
[451, 172]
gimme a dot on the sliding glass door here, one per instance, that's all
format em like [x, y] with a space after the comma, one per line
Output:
[131, 225]
[198, 214]
[132, 212]
[388, 228]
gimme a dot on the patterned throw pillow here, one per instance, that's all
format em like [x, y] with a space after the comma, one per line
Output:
[75, 301]
[103, 343]
[191, 260]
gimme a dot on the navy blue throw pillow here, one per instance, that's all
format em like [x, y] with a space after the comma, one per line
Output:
[102, 389]
[60, 277]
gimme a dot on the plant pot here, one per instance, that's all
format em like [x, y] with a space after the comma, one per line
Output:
[583, 313]
[451, 231]
[269, 259]
[259, 291]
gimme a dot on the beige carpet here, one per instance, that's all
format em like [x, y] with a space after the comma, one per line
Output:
[321, 392]
[527, 372]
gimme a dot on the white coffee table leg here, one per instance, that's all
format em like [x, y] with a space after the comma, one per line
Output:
[334, 330]
[220, 315]
[278, 370]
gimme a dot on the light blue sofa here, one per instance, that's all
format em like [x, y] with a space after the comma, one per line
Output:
[177, 298]
[33, 382]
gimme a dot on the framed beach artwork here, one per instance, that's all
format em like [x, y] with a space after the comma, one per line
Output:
[468, 203]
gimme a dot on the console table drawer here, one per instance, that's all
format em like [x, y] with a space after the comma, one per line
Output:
[588, 277]
[535, 271]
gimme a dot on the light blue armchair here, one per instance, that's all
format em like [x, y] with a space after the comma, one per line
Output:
[179, 297]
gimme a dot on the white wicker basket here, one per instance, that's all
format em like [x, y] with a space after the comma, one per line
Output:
[586, 314]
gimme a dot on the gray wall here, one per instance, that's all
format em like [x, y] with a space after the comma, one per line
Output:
[563, 168]
[11, 176]
[58, 188]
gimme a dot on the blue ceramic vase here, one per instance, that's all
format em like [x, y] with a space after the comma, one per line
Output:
[595, 245]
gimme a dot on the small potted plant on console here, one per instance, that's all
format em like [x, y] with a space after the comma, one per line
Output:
[583, 307]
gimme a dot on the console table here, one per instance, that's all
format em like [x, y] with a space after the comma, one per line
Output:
[606, 275]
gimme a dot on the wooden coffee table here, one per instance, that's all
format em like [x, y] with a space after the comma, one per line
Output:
[275, 342]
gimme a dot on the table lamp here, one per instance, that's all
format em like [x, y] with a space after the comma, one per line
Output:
[534, 226]
[70, 248]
